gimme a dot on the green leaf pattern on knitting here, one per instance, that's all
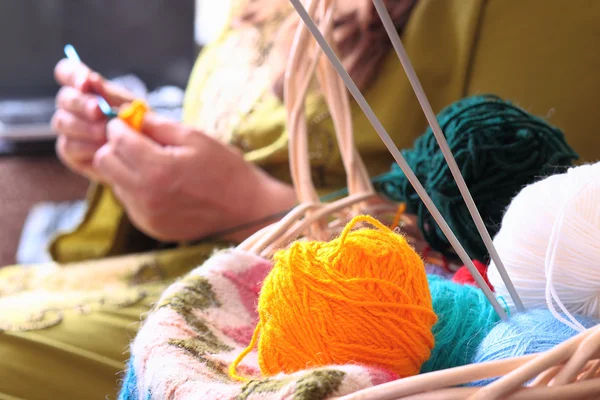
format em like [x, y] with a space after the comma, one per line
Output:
[313, 385]
[200, 346]
[196, 293]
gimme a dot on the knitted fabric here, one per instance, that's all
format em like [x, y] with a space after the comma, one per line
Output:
[202, 323]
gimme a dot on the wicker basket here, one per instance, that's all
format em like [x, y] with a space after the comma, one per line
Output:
[203, 321]
[568, 371]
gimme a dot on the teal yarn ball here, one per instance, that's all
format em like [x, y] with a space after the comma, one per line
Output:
[499, 148]
[534, 331]
[465, 317]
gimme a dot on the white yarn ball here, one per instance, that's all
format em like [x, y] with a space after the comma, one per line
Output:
[549, 242]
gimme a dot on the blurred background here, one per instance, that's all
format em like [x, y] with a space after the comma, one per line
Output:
[147, 45]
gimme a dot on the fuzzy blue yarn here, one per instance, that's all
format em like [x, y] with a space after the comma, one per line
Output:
[465, 317]
[531, 332]
[129, 389]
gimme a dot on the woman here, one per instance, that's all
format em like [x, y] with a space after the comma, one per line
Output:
[68, 327]
[170, 186]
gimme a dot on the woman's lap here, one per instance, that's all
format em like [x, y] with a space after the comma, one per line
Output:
[82, 357]
[65, 329]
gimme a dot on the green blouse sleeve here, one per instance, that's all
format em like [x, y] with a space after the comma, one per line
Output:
[104, 231]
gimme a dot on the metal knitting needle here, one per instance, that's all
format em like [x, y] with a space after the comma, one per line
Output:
[106, 109]
[384, 15]
[387, 140]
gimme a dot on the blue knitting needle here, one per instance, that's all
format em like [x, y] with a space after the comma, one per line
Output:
[102, 103]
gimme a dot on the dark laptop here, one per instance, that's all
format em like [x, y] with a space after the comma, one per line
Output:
[153, 39]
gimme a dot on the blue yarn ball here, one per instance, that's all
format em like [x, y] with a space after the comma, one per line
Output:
[531, 332]
[465, 317]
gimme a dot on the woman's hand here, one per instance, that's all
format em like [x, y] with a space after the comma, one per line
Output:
[78, 121]
[179, 184]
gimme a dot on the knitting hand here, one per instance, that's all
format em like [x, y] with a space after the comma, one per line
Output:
[80, 124]
[177, 183]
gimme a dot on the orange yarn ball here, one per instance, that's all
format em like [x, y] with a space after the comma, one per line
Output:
[362, 298]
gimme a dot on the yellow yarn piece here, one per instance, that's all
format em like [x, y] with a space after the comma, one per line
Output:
[134, 114]
[362, 298]
[399, 213]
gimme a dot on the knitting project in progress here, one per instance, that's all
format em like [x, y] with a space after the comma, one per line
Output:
[202, 323]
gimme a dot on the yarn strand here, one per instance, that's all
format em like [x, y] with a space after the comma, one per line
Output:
[550, 262]
[355, 221]
[389, 143]
[398, 216]
[233, 367]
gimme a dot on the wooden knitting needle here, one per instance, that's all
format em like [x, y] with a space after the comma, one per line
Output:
[387, 140]
[384, 15]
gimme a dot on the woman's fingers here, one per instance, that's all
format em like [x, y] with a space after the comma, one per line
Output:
[134, 148]
[113, 169]
[81, 125]
[74, 127]
[78, 76]
[77, 156]
[84, 105]
[78, 150]
[164, 130]
[74, 74]
[115, 95]
[151, 163]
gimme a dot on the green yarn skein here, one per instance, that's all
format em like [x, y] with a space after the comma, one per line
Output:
[499, 149]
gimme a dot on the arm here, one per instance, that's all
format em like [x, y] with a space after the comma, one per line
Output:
[175, 183]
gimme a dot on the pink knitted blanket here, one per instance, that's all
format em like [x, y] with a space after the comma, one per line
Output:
[201, 324]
